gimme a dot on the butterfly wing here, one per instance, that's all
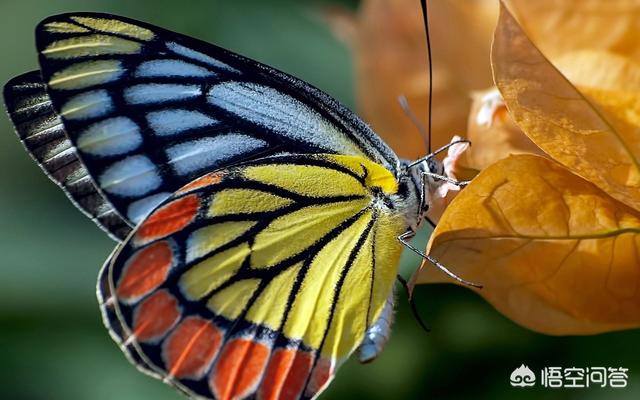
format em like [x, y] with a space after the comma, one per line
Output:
[258, 279]
[42, 133]
[148, 110]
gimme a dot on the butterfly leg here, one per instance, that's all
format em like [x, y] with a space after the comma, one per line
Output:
[404, 240]
[378, 334]
[438, 177]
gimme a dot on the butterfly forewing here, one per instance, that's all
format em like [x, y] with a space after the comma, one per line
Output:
[149, 110]
[42, 133]
[248, 282]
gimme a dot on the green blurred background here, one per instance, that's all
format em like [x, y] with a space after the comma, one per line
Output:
[52, 342]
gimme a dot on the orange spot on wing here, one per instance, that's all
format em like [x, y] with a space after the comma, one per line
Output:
[191, 348]
[168, 219]
[286, 375]
[209, 179]
[145, 271]
[320, 377]
[155, 316]
[238, 369]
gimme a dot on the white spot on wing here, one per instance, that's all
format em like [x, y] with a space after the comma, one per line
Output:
[58, 150]
[158, 93]
[210, 152]
[110, 137]
[281, 113]
[78, 174]
[87, 105]
[131, 177]
[139, 209]
[196, 55]
[172, 121]
[157, 68]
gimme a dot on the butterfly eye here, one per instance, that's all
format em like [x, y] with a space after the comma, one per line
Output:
[435, 166]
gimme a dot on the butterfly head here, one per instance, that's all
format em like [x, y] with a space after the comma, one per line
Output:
[420, 174]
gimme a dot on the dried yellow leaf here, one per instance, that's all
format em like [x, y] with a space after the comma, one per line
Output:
[590, 140]
[600, 69]
[553, 252]
[562, 26]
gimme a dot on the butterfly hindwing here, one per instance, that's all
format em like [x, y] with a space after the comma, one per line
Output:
[260, 279]
[149, 110]
[42, 133]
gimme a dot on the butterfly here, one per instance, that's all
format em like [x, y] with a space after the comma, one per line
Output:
[257, 219]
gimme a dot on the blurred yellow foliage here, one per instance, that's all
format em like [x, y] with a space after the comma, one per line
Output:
[389, 47]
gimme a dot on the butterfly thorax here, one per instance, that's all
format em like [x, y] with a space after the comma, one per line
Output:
[421, 186]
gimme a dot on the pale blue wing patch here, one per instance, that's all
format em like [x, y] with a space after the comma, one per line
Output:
[110, 137]
[134, 176]
[206, 153]
[281, 113]
[173, 121]
[160, 93]
[198, 56]
[162, 68]
[93, 104]
[139, 209]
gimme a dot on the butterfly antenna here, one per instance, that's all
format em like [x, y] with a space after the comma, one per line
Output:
[412, 304]
[406, 108]
[425, 16]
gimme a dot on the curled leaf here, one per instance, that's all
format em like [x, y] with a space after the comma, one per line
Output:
[590, 140]
[553, 252]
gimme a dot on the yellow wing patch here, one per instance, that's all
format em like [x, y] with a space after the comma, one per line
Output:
[226, 203]
[207, 239]
[270, 311]
[64, 27]
[310, 314]
[86, 74]
[232, 300]
[211, 273]
[299, 230]
[86, 24]
[308, 180]
[116, 26]
[91, 45]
